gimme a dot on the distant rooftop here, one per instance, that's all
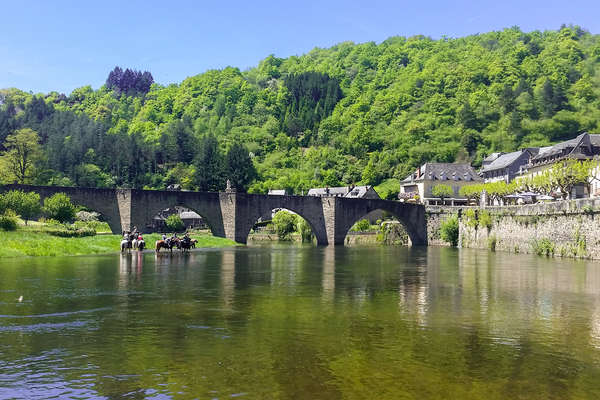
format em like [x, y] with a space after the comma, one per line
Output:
[444, 172]
[506, 159]
[341, 191]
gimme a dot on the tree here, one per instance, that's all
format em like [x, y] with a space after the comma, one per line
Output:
[567, 174]
[22, 152]
[442, 191]
[472, 192]
[59, 207]
[285, 224]
[210, 168]
[240, 169]
[26, 205]
[174, 223]
[305, 230]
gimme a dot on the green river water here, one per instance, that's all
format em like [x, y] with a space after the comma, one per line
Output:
[295, 322]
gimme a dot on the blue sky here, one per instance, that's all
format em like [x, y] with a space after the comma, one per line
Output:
[61, 45]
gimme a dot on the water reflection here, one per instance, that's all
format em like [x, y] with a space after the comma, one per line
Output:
[301, 322]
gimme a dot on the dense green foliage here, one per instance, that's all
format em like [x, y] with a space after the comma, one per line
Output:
[442, 191]
[8, 221]
[285, 224]
[353, 113]
[26, 205]
[59, 207]
[449, 230]
[174, 223]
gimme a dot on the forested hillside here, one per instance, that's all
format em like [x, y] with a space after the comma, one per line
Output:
[353, 113]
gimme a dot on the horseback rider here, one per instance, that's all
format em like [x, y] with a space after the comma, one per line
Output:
[186, 238]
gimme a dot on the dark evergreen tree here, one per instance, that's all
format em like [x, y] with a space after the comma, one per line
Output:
[131, 82]
[240, 169]
[307, 91]
[210, 166]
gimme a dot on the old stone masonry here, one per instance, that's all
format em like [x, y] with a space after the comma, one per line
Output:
[232, 215]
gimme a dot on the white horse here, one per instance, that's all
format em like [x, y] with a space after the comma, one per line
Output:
[125, 245]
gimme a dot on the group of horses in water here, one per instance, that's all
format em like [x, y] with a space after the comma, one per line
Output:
[135, 241]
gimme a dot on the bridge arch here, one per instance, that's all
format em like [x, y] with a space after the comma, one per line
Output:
[321, 237]
[255, 206]
[411, 217]
[147, 204]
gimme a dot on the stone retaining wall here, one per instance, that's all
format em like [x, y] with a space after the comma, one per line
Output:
[435, 216]
[565, 228]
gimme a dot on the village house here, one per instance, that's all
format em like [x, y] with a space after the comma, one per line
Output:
[358, 192]
[584, 147]
[419, 184]
[190, 218]
[506, 166]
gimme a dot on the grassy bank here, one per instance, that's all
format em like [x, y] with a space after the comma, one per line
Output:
[27, 243]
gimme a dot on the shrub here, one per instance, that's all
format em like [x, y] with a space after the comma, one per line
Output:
[59, 207]
[361, 226]
[8, 221]
[97, 226]
[71, 232]
[285, 224]
[87, 216]
[449, 230]
[485, 219]
[174, 223]
[305, 230]
[543, 247]
[25, 204]
[470, 218]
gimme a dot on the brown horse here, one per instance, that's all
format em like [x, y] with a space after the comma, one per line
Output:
[162, 244]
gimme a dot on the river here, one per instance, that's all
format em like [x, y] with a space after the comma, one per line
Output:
[300, 322]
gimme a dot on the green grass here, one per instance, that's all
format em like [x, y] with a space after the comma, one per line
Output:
[26, 243]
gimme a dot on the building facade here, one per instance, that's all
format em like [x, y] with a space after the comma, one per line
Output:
[419, 184]
[506, 166]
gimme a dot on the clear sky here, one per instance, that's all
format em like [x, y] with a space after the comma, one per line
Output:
[61, 45]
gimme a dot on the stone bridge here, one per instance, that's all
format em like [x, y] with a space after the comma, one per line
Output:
[232, 215]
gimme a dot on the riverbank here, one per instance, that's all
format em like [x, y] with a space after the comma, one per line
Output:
[22, 243]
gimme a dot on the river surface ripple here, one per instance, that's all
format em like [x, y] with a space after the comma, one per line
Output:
[300, 322]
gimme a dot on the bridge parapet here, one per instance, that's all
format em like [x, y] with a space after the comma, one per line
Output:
[232, 215]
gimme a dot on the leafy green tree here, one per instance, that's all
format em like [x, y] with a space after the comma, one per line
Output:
[174, 223]
[59, 207]
[22, 152]
[305, 230]
[240, 169]
[285, 224]
[567, 174]
[26, 204]
[442, 191]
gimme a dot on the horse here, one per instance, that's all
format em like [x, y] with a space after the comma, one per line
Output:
[193, 243]
[186, 245]
[163, 244]
[125, 245]
[141, 245]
